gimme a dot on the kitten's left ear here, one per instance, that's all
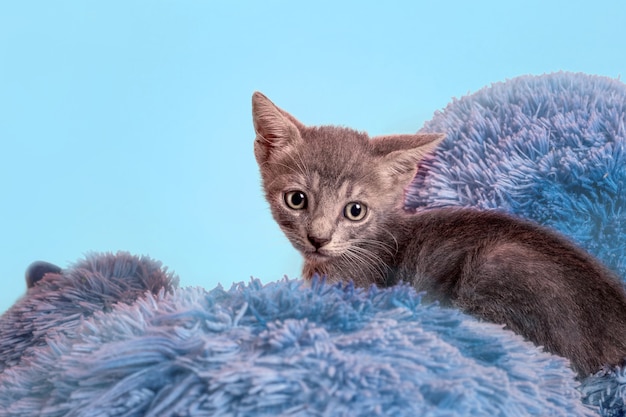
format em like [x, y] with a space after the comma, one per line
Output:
[400, 154]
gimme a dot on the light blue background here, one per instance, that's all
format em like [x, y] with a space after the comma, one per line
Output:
[125, 125]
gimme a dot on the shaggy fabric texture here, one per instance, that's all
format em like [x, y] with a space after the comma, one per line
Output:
[280, 349]
[114, 336]
[549, 148]
[57, 303]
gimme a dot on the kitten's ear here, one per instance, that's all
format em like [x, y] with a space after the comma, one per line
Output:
[400, 154]
[276, 130]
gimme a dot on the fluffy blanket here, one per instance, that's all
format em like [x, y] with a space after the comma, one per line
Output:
[280, 349]
[549, 148]
[113, 335]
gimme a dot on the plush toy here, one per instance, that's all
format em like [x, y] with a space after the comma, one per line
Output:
[114, 335]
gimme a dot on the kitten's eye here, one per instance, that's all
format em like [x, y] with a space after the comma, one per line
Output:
[295, 200]
[355, 211]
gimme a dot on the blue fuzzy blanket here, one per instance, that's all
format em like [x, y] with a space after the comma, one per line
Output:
[114, 335]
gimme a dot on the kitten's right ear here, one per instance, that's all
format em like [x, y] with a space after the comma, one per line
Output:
[276, 130]
[401, 154]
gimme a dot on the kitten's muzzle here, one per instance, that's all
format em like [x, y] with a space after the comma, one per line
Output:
[317, 242]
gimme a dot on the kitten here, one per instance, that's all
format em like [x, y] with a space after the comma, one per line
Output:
[339, 198]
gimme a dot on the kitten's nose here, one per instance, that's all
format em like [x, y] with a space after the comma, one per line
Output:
[317, 242]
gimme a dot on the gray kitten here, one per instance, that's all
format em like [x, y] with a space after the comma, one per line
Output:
[339, 198]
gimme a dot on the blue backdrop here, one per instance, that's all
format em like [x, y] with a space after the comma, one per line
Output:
[126, 125]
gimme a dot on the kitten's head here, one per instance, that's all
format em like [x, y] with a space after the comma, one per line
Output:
[332, 190]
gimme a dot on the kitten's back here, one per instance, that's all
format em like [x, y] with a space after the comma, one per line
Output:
[530, 278]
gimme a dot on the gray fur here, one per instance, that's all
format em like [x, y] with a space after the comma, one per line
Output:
[489, 264]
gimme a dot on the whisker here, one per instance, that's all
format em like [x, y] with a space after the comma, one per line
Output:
[295, 171]
[355, 261]
[377, 244]
[393, 237]
[370, 260]
[299, 163]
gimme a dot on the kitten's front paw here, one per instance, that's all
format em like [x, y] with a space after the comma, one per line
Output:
[37, 270]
